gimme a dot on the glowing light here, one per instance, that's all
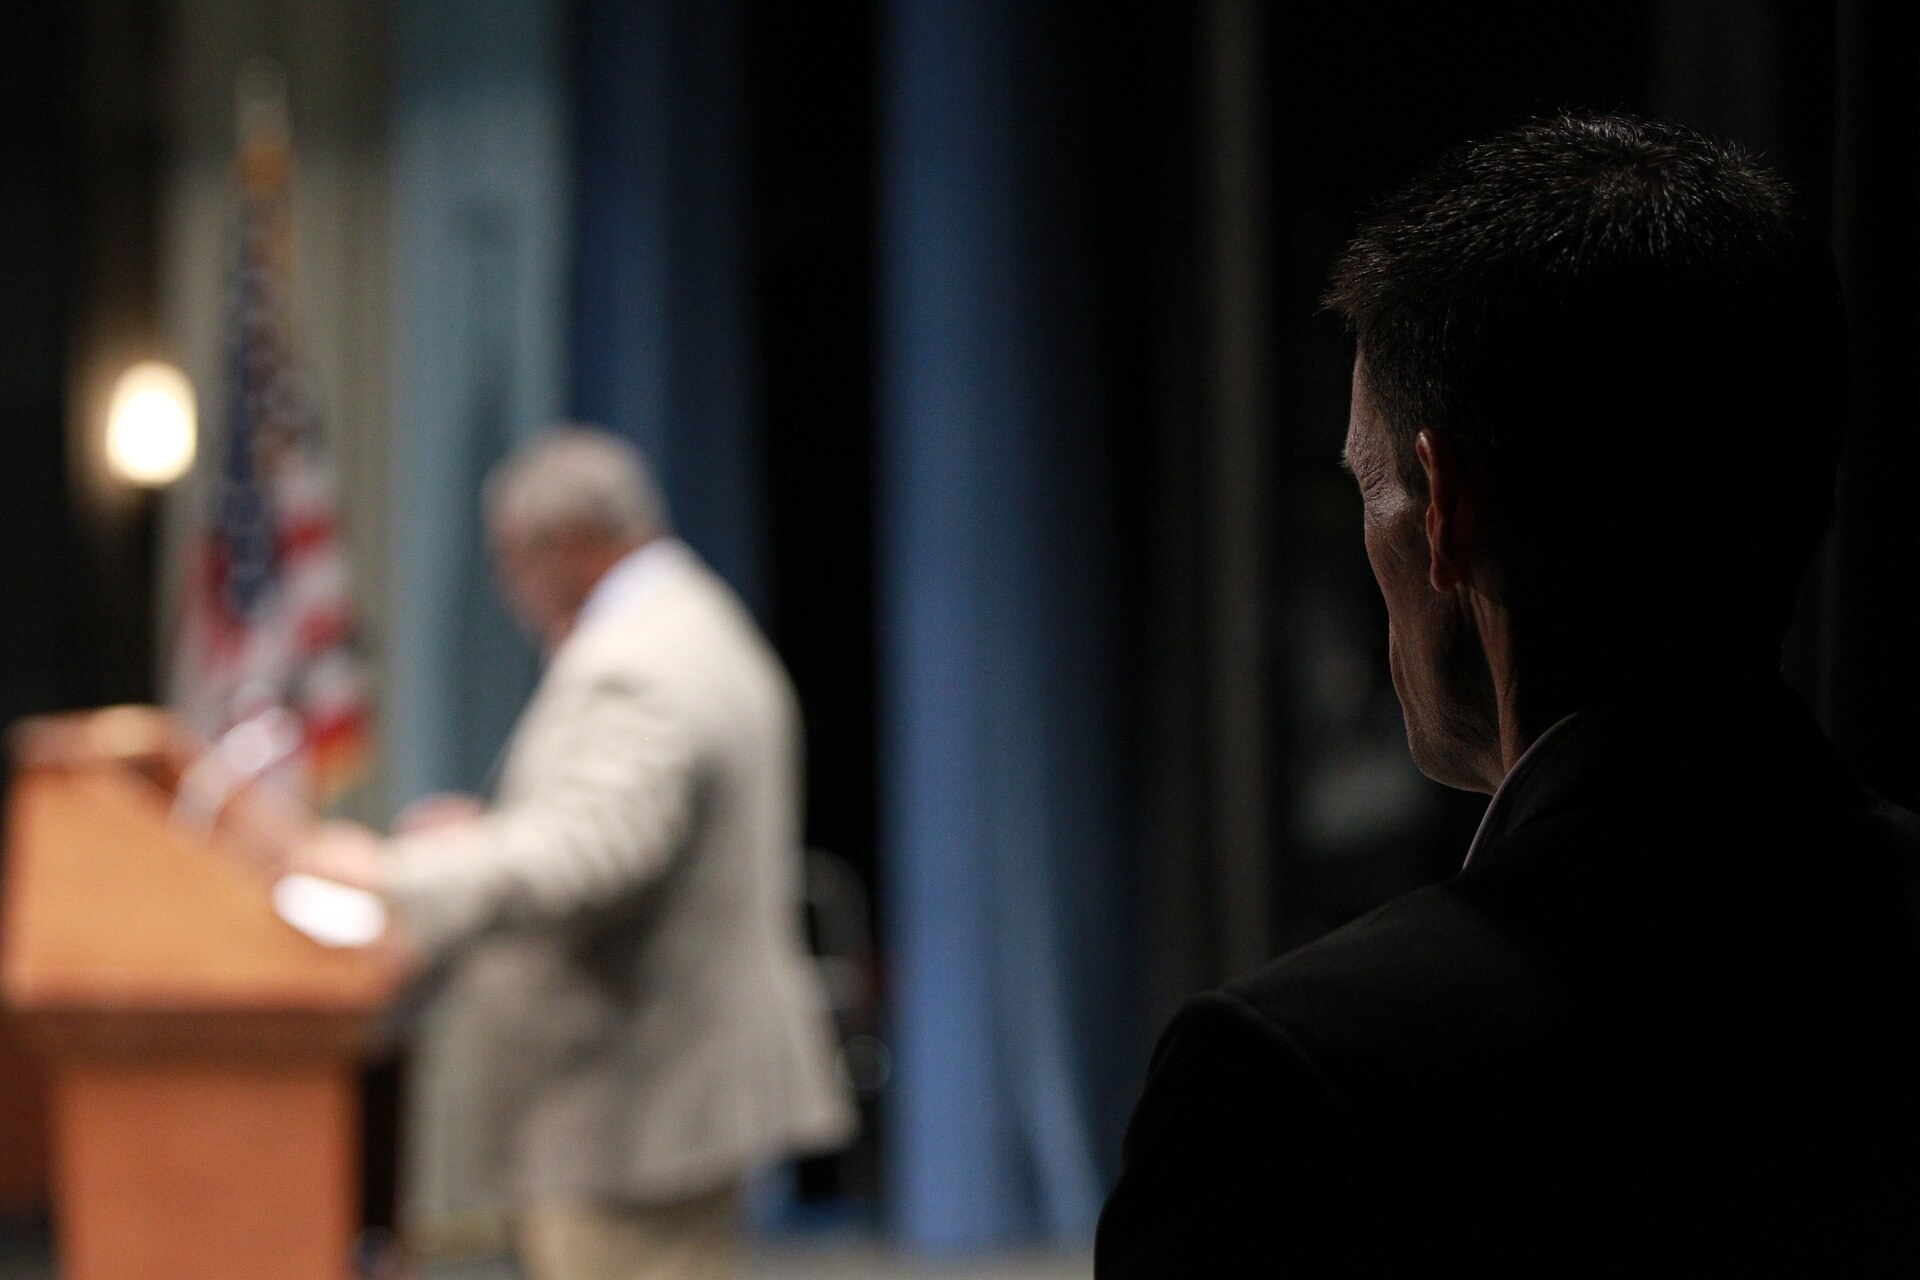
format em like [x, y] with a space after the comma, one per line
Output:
[151, 431]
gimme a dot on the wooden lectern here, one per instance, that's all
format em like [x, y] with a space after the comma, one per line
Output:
[201, 1055]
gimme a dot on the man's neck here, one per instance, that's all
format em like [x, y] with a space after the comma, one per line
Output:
[1530, 703]
[592, 572]
[604, 560]
[1528, 708]
[1541, 673]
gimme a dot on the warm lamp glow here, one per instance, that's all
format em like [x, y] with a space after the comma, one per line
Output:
[151, 432]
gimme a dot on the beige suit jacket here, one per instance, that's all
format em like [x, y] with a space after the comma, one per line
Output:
[624, 925]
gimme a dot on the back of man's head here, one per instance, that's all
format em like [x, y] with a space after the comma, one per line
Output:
[1625, 329]
[577, 479]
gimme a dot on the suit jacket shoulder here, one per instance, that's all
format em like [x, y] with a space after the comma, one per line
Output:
[1236, 1126]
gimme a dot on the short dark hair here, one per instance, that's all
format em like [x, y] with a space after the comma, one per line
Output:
[1624, 323]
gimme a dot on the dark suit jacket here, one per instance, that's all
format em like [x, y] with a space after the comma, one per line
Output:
[1666, 1015]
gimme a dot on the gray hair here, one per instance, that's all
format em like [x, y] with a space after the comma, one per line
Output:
[577, 476]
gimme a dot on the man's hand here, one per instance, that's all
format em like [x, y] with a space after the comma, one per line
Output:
[439, 810]
[344, 852]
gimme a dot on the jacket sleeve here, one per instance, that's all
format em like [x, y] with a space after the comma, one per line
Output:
[1232, 1160]
[607, 805]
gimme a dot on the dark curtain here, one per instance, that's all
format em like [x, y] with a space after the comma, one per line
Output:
[1866, 599]
[1826, 92]
[38, 195]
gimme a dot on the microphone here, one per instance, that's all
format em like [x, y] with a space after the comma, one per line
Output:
[333, 915]
[240, 757]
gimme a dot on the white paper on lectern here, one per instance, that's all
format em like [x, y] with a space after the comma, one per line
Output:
[334, 915]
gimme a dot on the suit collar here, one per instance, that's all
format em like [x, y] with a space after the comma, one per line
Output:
[1494, 823]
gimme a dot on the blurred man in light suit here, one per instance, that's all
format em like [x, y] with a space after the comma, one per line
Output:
[623, 921]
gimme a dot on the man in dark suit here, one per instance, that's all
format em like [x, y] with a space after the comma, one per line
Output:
[1665, 1014]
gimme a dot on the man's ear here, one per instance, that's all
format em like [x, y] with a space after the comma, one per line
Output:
[1453, 530]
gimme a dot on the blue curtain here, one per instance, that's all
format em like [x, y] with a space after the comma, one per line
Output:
[1006, 844]
[661, 283]
[480, 219]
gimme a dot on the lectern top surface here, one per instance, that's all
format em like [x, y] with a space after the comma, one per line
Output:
[108, 906]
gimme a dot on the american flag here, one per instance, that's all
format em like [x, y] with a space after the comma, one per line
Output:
[268, 617]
